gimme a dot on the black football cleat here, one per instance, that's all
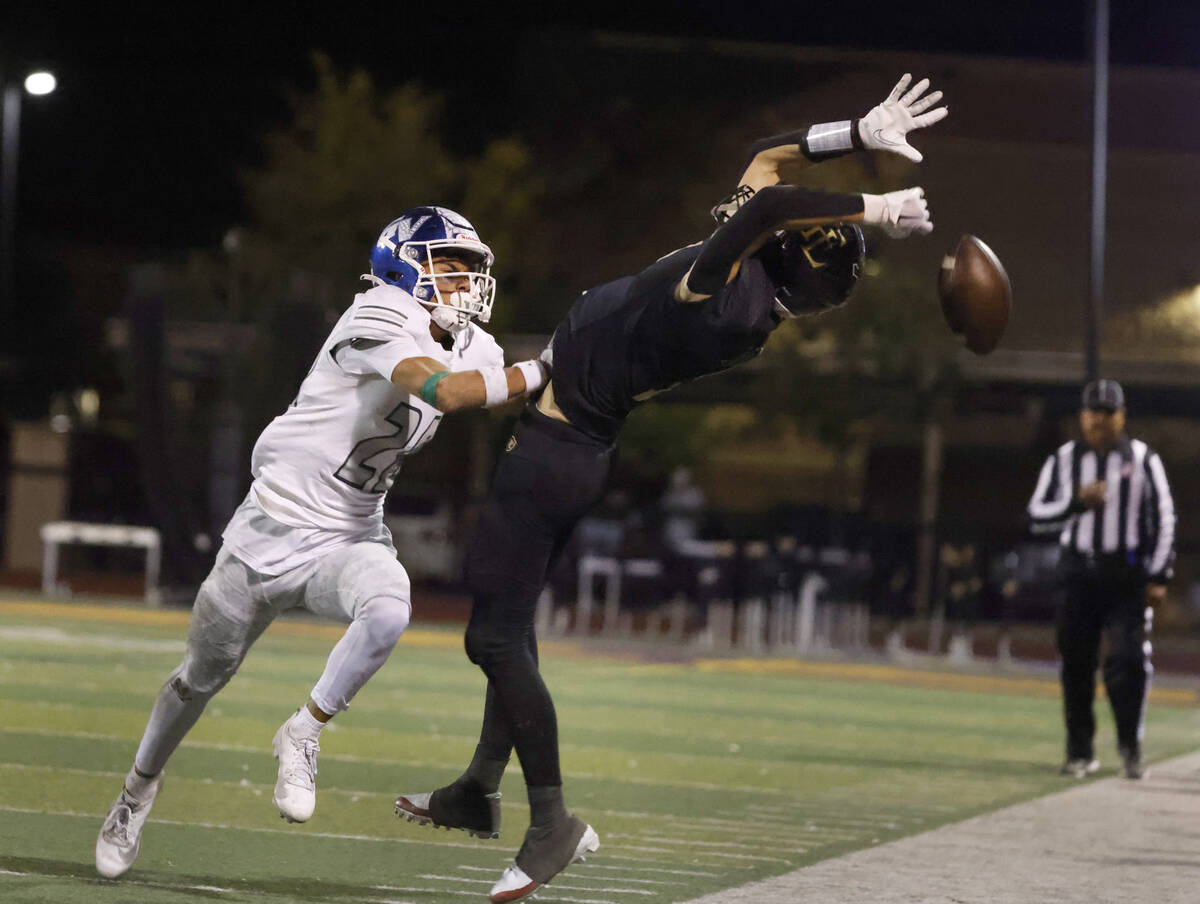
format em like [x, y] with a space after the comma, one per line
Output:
[453, 807]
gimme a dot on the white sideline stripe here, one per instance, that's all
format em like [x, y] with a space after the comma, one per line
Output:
[59, 637]
[258, 830]
[97, 880]
[575, 871]
[617, 891]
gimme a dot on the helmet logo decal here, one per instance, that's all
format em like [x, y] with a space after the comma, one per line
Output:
[404, 254]
[819, 241]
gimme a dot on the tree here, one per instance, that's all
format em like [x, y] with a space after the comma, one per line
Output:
[351, 160]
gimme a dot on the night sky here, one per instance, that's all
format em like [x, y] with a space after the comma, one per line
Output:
[157, 114]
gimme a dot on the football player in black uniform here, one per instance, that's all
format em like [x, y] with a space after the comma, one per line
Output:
[779, 251]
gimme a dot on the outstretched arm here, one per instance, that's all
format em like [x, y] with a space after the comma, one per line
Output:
[780, 158]
[488, 386]
[789, 208]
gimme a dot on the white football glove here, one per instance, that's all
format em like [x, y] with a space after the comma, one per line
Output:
[898, 213]
[885, 128]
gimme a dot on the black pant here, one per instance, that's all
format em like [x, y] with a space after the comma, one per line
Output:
[1110, 601]
[545, 482]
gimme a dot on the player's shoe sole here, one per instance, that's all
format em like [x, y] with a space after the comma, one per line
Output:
[516, 885]
[476, 814]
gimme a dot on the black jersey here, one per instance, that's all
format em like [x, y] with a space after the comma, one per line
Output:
[623, 341]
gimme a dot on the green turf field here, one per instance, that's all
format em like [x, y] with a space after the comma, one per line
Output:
[697, 777]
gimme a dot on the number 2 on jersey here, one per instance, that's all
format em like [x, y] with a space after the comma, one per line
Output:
[377, 476]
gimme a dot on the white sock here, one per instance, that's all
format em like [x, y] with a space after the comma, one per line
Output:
[304, 724]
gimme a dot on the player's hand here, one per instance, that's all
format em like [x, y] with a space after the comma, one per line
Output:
[1155, 594]
[899, 213]
[886, 127]
[1092, 495]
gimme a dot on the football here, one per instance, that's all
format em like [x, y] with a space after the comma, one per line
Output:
[975, 293]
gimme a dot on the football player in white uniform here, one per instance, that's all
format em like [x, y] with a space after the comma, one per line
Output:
[310, 532]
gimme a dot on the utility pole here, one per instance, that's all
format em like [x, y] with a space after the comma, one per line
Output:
[1094, 311]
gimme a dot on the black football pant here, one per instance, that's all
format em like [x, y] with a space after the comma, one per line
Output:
[1109, 604]
[544, 483]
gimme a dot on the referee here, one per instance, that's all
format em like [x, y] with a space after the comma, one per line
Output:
[1108, 500]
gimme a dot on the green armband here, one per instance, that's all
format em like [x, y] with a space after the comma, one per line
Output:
[429, 387]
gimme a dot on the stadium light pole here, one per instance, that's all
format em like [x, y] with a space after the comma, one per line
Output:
[1094, 310]
[36, 83]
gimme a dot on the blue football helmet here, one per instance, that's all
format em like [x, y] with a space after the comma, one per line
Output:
[403, 256]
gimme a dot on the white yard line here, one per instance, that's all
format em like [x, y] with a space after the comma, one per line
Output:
[57, 637]
[1106, 841]
[295, 833]
[557, 884]
[424, 764]
[789, 848]
[588, 867]
[97, 880]
[264, 750]
[577, 871]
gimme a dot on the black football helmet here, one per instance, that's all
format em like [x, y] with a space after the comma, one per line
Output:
[815, 269]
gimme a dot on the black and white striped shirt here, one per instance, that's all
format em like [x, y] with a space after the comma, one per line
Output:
[1137, 521]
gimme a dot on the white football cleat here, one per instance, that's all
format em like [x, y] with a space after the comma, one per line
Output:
[121, 835]
[296, 786]
[515, 884]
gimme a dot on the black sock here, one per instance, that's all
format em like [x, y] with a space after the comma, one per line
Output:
[546, 804]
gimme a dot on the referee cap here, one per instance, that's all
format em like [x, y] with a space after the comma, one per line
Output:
[1103, 395]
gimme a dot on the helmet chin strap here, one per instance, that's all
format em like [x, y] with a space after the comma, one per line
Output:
[451, 320]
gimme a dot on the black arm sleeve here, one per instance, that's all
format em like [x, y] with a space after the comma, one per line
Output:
[770, 210]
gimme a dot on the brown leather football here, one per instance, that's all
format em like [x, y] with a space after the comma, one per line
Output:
[976, 294]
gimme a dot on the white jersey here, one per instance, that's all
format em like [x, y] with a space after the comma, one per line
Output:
[322, 468]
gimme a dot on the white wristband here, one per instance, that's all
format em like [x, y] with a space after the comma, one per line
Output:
[495, 384]
[534, 373]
